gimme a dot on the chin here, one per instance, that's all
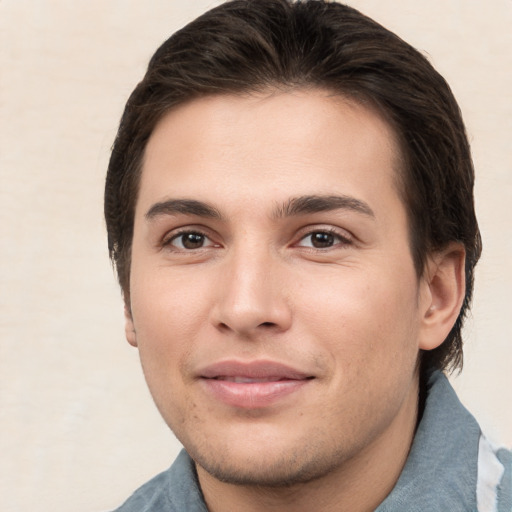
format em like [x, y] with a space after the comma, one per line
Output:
[265, 467]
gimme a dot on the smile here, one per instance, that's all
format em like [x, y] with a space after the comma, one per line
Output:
[249, 380]
[252, 385]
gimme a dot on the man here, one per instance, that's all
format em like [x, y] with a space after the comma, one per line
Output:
[289, 205]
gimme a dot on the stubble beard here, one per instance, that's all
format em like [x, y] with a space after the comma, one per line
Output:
[303, 466]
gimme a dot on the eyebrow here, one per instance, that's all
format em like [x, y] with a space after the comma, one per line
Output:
[318, 203]
[183, 206]
[295, 206]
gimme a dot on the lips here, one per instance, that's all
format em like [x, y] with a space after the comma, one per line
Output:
[252, 385]
[258, 370]
[247, 380]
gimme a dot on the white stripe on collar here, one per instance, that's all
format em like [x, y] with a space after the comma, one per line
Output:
[490, 473]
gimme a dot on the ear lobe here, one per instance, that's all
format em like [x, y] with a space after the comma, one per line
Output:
[446, 283]
[129, 328]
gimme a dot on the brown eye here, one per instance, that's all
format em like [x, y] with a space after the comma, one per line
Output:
[323, 240]
[189, 241]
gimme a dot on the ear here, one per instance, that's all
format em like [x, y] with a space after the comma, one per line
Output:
[129, 328]
[444, 288]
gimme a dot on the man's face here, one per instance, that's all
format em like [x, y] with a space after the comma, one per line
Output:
[274, 299]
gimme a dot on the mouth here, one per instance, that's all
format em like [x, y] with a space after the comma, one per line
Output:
[252, 385]
[249, 380]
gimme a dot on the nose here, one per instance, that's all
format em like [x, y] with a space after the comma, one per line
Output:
[252, 295]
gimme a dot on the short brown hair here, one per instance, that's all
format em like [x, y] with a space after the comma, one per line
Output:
[253, 45]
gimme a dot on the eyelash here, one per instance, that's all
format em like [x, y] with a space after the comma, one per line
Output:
[167, 242]
[341, 239]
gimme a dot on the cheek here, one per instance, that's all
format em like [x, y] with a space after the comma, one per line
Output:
[368, 331]
[167, 305]
[167, 315]
[165, 332]
[363, 318]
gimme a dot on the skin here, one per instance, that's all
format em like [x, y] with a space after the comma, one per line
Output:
[260, 277]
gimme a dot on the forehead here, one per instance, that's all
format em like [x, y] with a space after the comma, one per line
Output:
[295, 142]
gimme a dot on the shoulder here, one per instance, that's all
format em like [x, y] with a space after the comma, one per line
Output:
[174, 490]
[451, 465]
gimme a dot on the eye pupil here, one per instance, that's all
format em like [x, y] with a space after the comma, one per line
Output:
[192, 240]
[320, 239]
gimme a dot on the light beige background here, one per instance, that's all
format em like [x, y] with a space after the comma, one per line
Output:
[78, 428]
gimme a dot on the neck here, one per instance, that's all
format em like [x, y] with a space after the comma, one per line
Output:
[359, 484]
